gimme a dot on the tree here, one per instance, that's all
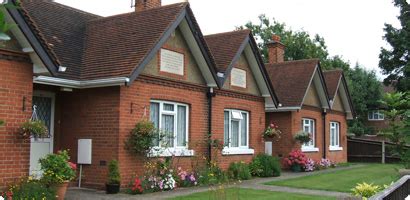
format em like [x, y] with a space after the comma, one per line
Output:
[299, 44]
[365, 91]
[395, 62]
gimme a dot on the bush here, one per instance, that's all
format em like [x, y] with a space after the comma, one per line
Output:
[239, 171]
[212, 175]
[264, 165]
[32, 190]
[113, 173]
[57, 169]
[365, 190]
[141, 138]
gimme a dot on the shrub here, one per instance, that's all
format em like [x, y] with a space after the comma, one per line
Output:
[30, 190]
[309, 165]
[264, 165]
[212, 175]
[365, 190]
[186, 179]
[140, 140]
[113, 173]
[136, 186]
[239, 171]
[57, 169]
[296, 159]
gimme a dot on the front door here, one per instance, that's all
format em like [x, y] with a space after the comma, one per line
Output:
[43, 102]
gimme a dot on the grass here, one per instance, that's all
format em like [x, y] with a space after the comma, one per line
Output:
[345, 180]
[243, 194]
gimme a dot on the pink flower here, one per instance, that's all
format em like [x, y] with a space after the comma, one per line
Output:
[73, 166]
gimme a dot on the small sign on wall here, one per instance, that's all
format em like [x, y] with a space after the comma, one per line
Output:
[172, 62]
[238, 77]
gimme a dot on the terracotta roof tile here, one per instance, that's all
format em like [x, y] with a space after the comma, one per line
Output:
[224, 47]
[291, 79]
[332, 78]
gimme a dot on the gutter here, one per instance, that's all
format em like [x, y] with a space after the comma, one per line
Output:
[47, 80]
[282, 109]
[324, 113]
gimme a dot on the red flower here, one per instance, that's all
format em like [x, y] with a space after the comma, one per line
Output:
[72, 165]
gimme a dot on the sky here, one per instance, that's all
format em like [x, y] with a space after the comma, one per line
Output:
[351, 28]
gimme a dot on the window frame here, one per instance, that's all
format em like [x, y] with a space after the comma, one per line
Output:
[239, 129]
[175, 114]
[334, 125]
[371, 115]
[312, 127]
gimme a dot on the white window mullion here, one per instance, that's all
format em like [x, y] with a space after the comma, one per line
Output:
[160, 123]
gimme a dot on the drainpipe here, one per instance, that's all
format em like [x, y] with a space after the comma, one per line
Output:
[324, 131]
[209, 96]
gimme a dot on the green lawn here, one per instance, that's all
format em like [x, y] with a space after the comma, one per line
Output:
[344, 180]
[243, 194]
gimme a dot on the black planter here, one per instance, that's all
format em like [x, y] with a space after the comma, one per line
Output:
[112, 188]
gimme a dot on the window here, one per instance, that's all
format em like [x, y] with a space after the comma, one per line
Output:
[376, 115]
[172, 119]
[236, 132]
[308, 125]
[334, 136]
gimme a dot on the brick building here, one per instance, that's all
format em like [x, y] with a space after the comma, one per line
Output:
[308, 104]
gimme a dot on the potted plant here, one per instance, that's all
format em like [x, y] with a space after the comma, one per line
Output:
[271, 132]
[114, 178]
[303, 137]
[58, 172]
[296, 160]
[34, 128]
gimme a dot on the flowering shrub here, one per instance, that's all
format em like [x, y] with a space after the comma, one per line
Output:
[28, 189]
[303, 137]
[136, 186]
[272, 131]
[239, 171]
[296, 157]
[264, 165]
[186, 179]
[309, 165]
[212, 175]
[57, 169]
[365, 190]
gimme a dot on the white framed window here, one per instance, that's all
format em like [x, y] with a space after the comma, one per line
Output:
[236, 132]
[172, 120]
[335, 136]
[375, 115]
[308, 125]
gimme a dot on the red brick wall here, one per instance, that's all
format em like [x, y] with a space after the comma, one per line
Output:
[16, 83]
[139, 94]
[284, 145]
[256, 108]
[377, 125]
[90, 114]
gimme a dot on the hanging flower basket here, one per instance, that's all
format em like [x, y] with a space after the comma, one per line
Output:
[34, 128]
[271, 132]
[303, 137]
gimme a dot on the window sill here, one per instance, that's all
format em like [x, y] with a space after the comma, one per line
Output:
[310, 149]
[237, 151]
[375, 120]
[168, 152]
[335, 148]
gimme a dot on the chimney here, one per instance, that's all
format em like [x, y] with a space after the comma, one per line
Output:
[141, 5]
[276, 50]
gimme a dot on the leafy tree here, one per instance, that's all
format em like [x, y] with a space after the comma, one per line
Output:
[365, 91]
[299, 44]
[395, 62]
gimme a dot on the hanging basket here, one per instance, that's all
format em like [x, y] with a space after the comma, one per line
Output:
[34, 127]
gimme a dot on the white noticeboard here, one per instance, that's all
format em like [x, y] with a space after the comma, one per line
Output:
[172, 62]
[84, 151]
[238, 77]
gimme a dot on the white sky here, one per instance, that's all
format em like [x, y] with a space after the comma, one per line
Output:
[351, 28]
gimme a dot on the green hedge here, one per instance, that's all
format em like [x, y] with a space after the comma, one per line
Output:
[264, 165]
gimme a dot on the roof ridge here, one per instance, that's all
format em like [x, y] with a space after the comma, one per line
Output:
[72, 8]
[141, 12]
[228, 32]
[333, 70]
[294, 61]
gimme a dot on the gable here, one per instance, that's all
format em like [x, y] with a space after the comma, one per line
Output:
[191, 72]
[312, 97]
[251, 85]
[338, 103]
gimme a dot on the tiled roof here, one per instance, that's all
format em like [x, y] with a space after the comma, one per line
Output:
[224, 47]
[94, 47]
[332, 78]
[63, 29]
[291, 79]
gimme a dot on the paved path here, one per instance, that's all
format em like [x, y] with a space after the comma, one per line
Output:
[256, 183]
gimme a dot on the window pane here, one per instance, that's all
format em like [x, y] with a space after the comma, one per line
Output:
[226, 128]
[370, 115]
[244, 128]
[337, 135]
[167, 126]
[332, 136]
[154, 117]
[168, 107]
[235, 133]
[181, 126]
[236, 115]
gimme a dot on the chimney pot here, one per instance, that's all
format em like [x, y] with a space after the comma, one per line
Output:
[276, 50]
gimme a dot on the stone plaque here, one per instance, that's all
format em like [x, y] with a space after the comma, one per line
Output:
[172, 62]
[238, 77]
